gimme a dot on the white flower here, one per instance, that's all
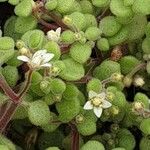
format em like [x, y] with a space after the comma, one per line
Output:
[54, 35]
[37, 60]
[97, 102]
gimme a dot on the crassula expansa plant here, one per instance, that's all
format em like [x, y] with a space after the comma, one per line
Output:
[75, 75]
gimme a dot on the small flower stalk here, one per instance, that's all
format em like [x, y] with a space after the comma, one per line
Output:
[97, 102]
[38, 60]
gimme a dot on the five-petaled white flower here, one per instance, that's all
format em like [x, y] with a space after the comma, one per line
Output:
[54, 35]
[37, 60]
[97, 102]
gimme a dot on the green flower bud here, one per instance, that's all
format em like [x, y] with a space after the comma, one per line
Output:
[90, 20]
[53, 148]
[93, 145]
[77, 20]
[74, 71]
[94, 85]
[100, 3]
[128, 63]
[4, 147]
[109, 26]
[79, 118]
[92, 33]
[86, 7]
[118, 8]
[114, 128]
[6, 43]
[145, 143]
[141, 97]
[103, 45]
[87, 127]
[71, 91]
[144, 126]
[127, 81]
[57, 86]
[141, 6]
[64, 7]
[24, 8]
[120, 37]
[53, 47]
[38, 113]
[80, 36]
[80, 52]
[7, 143]
[126, 139]
[146, 45]
[106, 69]
[45, 86]
[51, 4]
[11, 75]
[46, 140]
[67, 37]
[24, 24]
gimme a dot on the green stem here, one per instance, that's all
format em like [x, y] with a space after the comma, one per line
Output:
[136, 69]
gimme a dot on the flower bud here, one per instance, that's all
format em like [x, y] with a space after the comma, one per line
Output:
[79, 118]
[138, 81]
[116, 77]
[127, 81]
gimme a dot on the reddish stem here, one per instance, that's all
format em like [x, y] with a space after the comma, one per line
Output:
[10, 110]
[54, 17]
[47, 25]
[7, 116]
[75, 137]
[7, 89]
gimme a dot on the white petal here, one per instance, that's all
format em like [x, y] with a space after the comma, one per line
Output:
[92, 94]
[58, 31]
[39, 53]
[23, 58]
[102, 95]
[46, 65]
[88, 106]
[98, 111]
[47, 57]
[36, 60]
[106, 104]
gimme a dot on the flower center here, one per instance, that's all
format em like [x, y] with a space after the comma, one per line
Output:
[96, 101]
